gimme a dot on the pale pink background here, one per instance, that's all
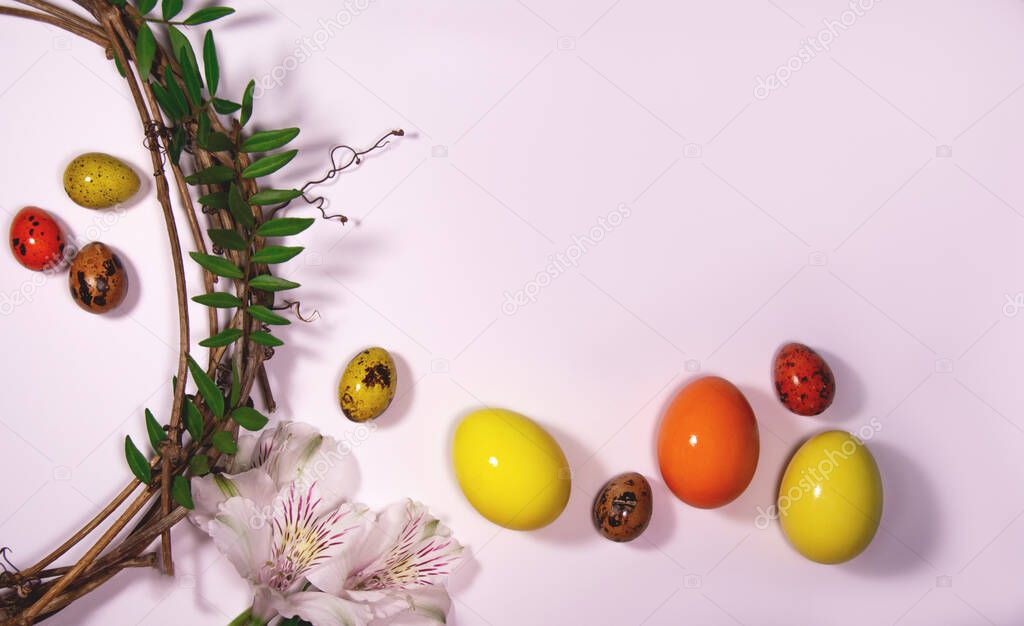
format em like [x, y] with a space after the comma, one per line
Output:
[829, 212]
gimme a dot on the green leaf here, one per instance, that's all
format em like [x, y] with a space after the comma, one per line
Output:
[199, 465]
[269, 164]
[155, 430]
[177, 144]
[266, 282]
[276, 254]
[284, 226]
[274, 196]
[249, 418]
[227, 239]
[210, 63]
[166, 102]
[223, 441]
[225, 107]
[216, 265]
[225, 337]
[207, 388]
[218, 300]
[264, 338]
[247, 102]
[240, 208]
[117, 62]
[137, 462]
[193, 420]
[145, 50]
[190, 75]
[216, 200]
[208, 14]
[215, 141]
[179, 44]
[203, 129]
[181, 489]
[236, 385]
[145, 6]
[269, 140]
[117, 3]
[211, 175]
[265, 315]
[174, 91]
[170, 8]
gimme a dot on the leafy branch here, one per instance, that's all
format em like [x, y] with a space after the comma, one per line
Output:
[200, 142]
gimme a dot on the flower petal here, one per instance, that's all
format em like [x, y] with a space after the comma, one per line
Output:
[322, 609]
[418, 551]
[241, 535]
[211, 491]
[297, 452]
[430, 604]
[307, 535]
[248, 455]
[330, 576]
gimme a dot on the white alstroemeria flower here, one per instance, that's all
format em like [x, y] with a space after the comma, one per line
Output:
[399, 568]
[278, 555]
[291, 453]
[279, 515]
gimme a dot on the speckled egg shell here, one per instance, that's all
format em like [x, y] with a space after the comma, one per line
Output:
[803, 380]
[97, 279]
[96, 181]
[36, 239]
[367, 385]
[622, 509]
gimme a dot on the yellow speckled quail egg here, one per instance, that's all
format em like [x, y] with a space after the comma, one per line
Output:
[96, 181]
[367, 385]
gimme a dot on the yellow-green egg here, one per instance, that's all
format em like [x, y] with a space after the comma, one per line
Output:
[367, 385]
[97, 181]
[511, 470]
[830, 498]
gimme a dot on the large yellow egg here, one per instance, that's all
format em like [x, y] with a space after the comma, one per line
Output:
[96, 181]
[830, 499]
[512, 471]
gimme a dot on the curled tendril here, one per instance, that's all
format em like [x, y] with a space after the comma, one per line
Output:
[4, 551]
[296, 309]
[11, 575]
[155, 131]
[156, 136]
[351, 157]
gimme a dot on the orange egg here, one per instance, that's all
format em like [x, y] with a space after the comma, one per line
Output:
[708, 443]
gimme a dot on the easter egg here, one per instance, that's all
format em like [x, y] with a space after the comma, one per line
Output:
[803, 380]
[36, 239]
[97, 278]
[830, 498]
[367, 385]
[708, 443]
[511, 470]
[96, 181]
[622, 509]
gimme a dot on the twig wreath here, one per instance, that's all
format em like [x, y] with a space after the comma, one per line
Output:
[197, 146]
